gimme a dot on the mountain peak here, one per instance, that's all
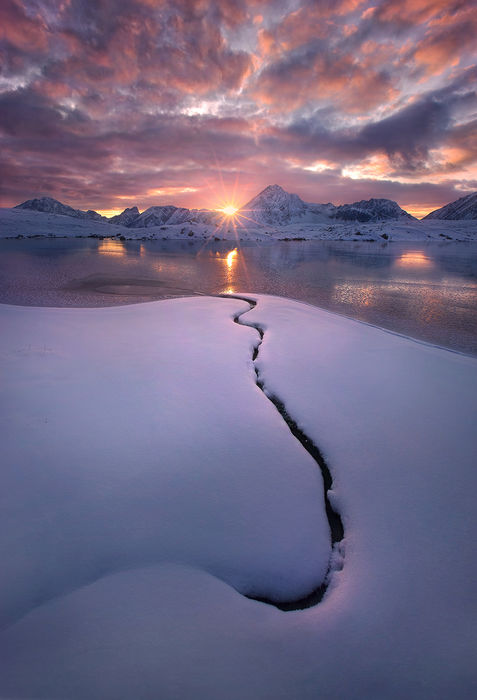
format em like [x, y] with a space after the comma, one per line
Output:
[273, 188]
[49, 205]
[375, 209]
[274, 205]
[126, 217]
[462, 208]
[41, 204]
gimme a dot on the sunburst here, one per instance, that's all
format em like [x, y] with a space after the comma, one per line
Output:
[229, 210]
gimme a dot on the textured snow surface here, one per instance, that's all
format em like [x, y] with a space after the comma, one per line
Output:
[314, 224]
[115, 417]
[135, 437]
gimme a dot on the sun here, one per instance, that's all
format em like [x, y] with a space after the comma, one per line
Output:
[229, 210]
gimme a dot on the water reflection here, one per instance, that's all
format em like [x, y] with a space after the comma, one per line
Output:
[427, 291]
[111, 247]
[231, 258]
[354, 294]
[414, 258]
[231, 262]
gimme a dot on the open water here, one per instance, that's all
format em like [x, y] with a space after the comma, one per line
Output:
[424, 290]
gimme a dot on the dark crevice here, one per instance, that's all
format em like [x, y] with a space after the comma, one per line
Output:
[334, 519]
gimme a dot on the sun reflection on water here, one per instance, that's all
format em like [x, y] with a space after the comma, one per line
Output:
[111, 247]
[231, 258]
[414, 258]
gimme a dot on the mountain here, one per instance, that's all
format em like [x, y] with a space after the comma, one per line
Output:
[463, 208]
[272, 206]
[53, 206]
[168, 214]
[155, 216]
[371, 210]
[275, 206]
[126, 217]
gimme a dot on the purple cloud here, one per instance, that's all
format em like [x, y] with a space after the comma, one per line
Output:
[152, 100]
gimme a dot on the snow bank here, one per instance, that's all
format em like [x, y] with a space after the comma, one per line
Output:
[134, 436]
[396, 421]
[24, 223]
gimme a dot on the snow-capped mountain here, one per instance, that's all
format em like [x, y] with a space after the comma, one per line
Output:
[272, 206]
[126, 217]
[275, 206]
[463, 208]
[53, 206]
[170, 215]
[321, 212]
[371, 210]
[154, 216]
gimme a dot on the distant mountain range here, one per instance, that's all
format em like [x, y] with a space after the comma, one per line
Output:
[53, 206]
[273, 206]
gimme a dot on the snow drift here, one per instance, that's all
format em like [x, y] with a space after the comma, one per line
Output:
[112, 420]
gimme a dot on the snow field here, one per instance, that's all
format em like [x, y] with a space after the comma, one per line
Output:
[395, 420]
[137, 436]
[26, 223]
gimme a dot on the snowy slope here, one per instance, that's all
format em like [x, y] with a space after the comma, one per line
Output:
[126, 217]
[28, 223]
[275, 206]
[463, 208]
[371, 210]
[154, 216]
[395, 421]
[53, 206]
[163, 459]
[205, 224]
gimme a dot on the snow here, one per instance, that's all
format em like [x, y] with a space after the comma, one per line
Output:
[314, 224]
[275, 206]
[371, 210]
[53, 206]
[153, 410]
[145, 447]
[463, 208]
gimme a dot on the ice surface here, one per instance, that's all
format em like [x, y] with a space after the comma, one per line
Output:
[396, 421]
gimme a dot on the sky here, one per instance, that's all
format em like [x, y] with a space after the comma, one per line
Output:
[106, 104]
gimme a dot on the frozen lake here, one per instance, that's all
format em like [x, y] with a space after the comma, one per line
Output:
[425, 290]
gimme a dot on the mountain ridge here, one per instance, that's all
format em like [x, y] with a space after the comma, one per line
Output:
[49, 205]
[462, 208]
[272, 206]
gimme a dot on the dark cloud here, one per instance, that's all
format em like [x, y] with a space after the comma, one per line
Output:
[27, 114]
[408, 135]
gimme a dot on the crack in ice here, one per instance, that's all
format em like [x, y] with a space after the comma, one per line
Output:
[334, 519]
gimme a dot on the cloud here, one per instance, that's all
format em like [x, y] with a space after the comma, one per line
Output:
[407, 135]
[105, 100]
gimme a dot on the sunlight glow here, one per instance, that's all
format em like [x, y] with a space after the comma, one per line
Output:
[414, 258]
[229, 210]
[231, 258]
[111, 247]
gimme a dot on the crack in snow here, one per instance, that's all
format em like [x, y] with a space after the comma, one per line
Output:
[334, 519]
